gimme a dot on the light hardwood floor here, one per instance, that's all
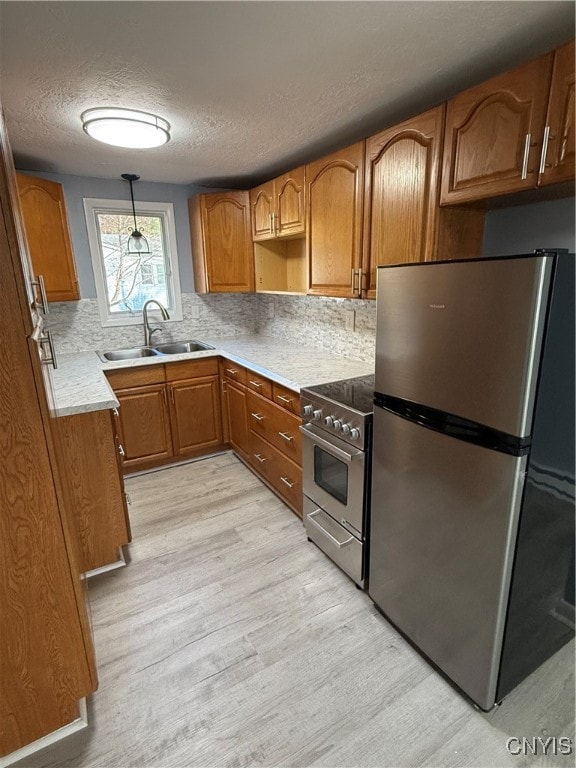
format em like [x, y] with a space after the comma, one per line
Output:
[229, 640]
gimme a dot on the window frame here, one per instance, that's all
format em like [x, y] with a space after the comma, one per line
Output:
[93, 206]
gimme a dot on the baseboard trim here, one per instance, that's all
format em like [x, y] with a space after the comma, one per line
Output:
[50, 739]
[176, 464]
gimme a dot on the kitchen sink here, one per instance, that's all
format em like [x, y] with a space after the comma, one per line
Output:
[127, 354]
[170, 348]
[177, 347]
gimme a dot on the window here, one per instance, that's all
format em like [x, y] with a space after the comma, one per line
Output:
[124, 282]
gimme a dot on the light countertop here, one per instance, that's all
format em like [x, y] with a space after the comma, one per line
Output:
[80, 385]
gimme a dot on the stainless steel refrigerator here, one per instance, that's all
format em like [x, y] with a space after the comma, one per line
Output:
[472, 520]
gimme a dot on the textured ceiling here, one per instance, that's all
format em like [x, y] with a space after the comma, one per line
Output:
[250, 88]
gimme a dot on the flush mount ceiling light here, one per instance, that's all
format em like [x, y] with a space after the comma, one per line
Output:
[126, 127]
[137, 243]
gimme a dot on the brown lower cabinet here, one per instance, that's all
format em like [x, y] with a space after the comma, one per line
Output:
[87, 450]
[168, 412]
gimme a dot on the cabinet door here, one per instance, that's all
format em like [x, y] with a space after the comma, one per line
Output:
[195, 415]
[401, 194]
[229, 258]
[92, 485]
[46, 225]
[237, 419]
[558, 155]
[334, 222]
[289, 208]
[144, 426]
[262, 211]
[494, 134]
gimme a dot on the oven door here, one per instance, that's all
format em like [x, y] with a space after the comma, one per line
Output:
[334, 477]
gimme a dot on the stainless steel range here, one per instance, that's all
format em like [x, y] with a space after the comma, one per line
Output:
[336, 449]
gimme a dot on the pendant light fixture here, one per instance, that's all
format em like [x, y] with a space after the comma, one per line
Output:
[137, 243]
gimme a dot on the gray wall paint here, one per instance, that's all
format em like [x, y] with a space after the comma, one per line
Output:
[525, 227]
[78, 187]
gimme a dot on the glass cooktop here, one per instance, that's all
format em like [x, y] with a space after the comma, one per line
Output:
[357, 393]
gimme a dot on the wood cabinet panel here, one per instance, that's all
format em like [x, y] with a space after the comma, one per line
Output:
[222, 243]
[494, 133]
[144, 426]
[286, 398]
[189, 369]
[237, 418]
[276, 425]
[259, 384]
[196, 415]
[46, 224]
[93, 487]
[401, 194]
[136, 377]
[273, 466]
[334, 222]
[560, 158]
[262, 211]
[46, 652]
[289, 203]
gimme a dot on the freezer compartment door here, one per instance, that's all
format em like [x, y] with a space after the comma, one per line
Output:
[443, 527]
[464, 337]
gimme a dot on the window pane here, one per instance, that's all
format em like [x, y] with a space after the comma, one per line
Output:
[133, 279]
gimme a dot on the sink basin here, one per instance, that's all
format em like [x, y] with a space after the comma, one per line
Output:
[177, 347]
[127, 354]
[170, 348]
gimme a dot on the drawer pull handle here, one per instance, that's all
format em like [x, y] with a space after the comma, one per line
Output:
[43, 303]
[261, 459]
[311, 517]
[288, 438]
[254, 383]
[121, 450]
[287, 482]
[257, 416]
[286, 400]
[115, 412]
[231, 371]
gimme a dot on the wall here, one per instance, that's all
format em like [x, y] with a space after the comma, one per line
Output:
[525, 227]
[76, 188]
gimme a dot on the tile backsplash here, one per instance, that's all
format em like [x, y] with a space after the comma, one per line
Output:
[309, 320]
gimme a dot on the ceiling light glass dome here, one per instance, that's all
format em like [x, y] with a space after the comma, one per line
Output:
[128, 128]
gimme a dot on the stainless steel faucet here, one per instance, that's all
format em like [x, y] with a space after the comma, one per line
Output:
[147, 330]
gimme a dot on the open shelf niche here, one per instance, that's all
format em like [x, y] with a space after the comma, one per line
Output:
[281, 266]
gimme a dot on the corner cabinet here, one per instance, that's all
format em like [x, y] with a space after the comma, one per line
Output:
[335, 186]
[222, 243]
[513, 132]
[402, 219]
[46, 225]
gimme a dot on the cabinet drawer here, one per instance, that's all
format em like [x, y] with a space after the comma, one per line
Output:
[136, 377]
[286, 398]
[233, 371]
[191, 369]
[282, 473]
[259, 384]
[275, 425]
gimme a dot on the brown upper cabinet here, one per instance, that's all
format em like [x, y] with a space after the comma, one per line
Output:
[558, 156]
[46, 225]
[497, 133]
[221, 242]
[402, 219]
[278, 207]
[335, 186]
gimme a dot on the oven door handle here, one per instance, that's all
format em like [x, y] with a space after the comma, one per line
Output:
[311, 515]
[328, 446]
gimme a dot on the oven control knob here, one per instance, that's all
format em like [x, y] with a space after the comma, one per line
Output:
[345, 429]
[337, 425]
[328, 421]
[354, 433]
[308, 410]
[317, 415]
